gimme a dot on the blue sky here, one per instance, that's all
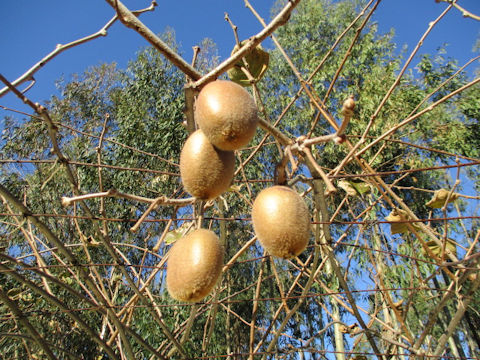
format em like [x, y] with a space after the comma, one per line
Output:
[30, 29]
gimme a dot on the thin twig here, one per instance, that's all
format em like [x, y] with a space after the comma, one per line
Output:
[67, 201]
[56, 302]
[249, 44]
[28, 75]
[465, 12]
[431, 25]
[255, 308]
[129, 19]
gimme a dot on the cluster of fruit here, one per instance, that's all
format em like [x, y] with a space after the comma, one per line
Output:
[227, 118]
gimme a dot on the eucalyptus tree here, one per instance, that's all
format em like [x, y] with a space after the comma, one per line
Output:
[368, 283]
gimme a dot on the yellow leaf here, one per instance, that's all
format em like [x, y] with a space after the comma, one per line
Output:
[92, 242]
[354, 187]
[176, 234]
[398, 220]
[257, 60]
[349, 189]
[440, 197]
[450, 246]
[172, 236]
[235, 188]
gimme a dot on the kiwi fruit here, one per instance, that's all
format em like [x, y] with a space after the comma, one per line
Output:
[227, 114]
[194, 265]
[206, 171]
[281, 221]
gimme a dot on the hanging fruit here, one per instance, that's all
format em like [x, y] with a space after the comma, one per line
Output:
[227, 114]
[281, 221]
[194, 266]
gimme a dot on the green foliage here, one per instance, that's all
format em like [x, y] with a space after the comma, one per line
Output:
[137, 115]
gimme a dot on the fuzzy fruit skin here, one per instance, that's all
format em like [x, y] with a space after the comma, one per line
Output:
[205, 170]
[281, 221]
[227, 114]
[194, 266]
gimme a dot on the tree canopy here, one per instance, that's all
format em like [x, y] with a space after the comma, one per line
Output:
[92, 201]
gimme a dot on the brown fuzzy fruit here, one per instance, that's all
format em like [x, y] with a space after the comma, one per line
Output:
[205, 170]
[281, 221]
[194, 265]
[227, 114]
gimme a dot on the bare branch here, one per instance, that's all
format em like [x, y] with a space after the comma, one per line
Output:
[431, 25]
[251, 43]
[67, 201]
[28, 75]
[465, 12]
[129, 19]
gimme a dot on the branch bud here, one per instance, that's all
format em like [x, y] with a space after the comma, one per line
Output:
[340, 139]
[66, 201]
[348, 107]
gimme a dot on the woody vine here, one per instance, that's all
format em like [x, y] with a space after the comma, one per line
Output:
[286, 218]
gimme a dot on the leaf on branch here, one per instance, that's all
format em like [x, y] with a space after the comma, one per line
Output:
[90, 241]
[67, 279]
[450, 247]
[177, 234]
[235, 188]
[355, 187]
[257, 60]
[117, 278]
[349, 189]
[14, 292]
[349, 329]
[398, 221]
[157, 181]
[399, 306]
[173, 236]
[440, 197]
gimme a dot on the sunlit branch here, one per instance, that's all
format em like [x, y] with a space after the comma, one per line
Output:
[28, 75]
[416, 116]
[252, 42]
[431, 25]
[465, 12]
[67, 201]
[128, 18]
